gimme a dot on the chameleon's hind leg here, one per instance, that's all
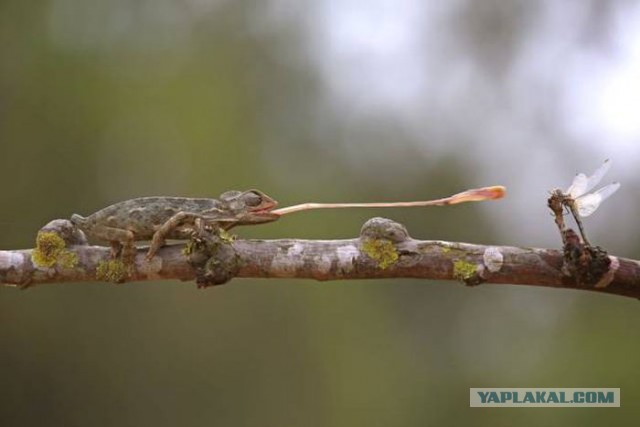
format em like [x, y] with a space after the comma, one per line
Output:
[121, 241]
[116, 249]
[197, 221]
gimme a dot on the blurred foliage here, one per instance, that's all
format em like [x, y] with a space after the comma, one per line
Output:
[103, 101]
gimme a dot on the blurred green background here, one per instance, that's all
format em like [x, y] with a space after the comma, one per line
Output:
[322, 100]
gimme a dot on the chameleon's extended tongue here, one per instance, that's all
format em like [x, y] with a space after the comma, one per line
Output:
[474, 195]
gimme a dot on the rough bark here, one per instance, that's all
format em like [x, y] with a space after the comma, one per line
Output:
[383, 250]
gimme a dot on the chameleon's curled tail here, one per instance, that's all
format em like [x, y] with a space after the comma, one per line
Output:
[78, 219]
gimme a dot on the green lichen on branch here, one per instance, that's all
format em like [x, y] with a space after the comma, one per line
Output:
[68, 259]
[463, 270]
[382, 251]
[467, 272]
[113, 270]
[196, 243]
[51, 249]
[225, 236]
[189, 248]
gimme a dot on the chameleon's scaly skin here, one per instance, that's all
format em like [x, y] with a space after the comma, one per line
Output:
[160, 218]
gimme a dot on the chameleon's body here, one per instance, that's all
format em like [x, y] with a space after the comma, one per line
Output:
[160, 218]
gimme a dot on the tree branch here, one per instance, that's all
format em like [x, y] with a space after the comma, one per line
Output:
[383, 250]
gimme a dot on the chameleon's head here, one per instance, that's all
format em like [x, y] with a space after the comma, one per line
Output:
[251, 206]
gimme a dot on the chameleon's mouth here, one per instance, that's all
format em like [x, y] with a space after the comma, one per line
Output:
[266, 208]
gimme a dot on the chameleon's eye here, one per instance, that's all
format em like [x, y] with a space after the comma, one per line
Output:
[252, 199]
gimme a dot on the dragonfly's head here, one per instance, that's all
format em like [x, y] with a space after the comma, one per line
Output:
[556, 201]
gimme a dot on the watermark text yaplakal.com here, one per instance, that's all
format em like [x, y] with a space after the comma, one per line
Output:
[544, 397]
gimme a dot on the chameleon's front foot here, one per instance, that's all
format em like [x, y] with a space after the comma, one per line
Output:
[150, 254]
[158, 240]
[156, 243]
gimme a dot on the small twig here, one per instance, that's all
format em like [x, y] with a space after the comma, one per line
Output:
[383, 250]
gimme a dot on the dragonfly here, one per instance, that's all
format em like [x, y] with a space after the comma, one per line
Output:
[579, 201]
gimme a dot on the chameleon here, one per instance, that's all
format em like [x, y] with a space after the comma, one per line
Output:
[160, 218]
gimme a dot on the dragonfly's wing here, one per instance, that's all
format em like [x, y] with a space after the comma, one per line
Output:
[608, 190]
[581, 184]
[578, 186]
[588, 203]
[598, 175]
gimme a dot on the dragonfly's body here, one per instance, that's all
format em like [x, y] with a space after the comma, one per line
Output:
[571, 205]
[573, 208]
[579, 202]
